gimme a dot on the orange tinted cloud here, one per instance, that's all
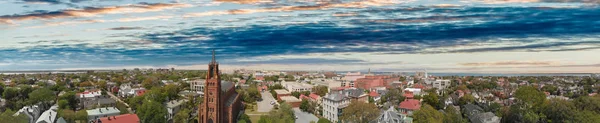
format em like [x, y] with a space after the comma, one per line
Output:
[137, 8]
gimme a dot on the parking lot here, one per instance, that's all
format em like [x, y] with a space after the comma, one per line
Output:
[304, 117]
[264, 105]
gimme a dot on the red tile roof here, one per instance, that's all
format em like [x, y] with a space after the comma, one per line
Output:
[373, 94]
[409, 95]
[141, 92]
[303, 97]
[125, 118]
[314, 96]
[410, 104]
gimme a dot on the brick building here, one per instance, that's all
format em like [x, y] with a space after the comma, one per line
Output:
[221, 102]
[374, 81]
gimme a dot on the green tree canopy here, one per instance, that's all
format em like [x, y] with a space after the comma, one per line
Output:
[360, 112]
[152, 112]
[43, 95]
[427, 114]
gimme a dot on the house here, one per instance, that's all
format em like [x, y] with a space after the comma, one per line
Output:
[125, 118]
[293, 101]
[95, 114]
[93, 102]
[355, 94]
[441, 84]
[49, 116]
[408, 106]
[487, 117]
[282, 92]
[333, 105]
[173, 107]
[89, 94]
[415, 91]
[470, 110]
[32, 112]
[125, 90]
[295, 86]
[197, 85]
[392, 116]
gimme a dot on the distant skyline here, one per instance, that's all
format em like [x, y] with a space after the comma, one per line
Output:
[458, 36]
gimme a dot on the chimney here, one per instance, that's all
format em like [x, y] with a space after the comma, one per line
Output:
[109, 118]
[114, 117]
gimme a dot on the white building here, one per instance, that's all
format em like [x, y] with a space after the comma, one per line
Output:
[328, 82]
[173, 107]
[441, 84]
[126, 90]
[332, 104]
[95, 114]
[197, 86]
[49, 116]
[295, 86]
[415, 91]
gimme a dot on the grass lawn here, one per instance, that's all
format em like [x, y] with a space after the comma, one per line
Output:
[254, 115]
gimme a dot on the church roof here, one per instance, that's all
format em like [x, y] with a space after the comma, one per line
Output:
[225, 85]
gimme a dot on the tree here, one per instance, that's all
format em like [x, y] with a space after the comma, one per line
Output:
[360, 112]
[156, 94]
[152, 112]
[102, 84]
[466, 99]
[451, 116]
[122, 108]
[63, 104]
[71, 99]
[135, 102]
[44, 96]
[69, 115]
[82, 116]
[321, 90]
[10, 93]
[323, 120]
[182, 116]
[244, 119]
[586, 117]
[285, 114]
[171, 91]
[432, 99]
[559, 111]
[304, 105]
[7, 117]
[530, 97]
[296, 94]
[587, 103]
[427, 114]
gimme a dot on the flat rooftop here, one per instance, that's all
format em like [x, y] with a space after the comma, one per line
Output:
[290, 99]
[282, 91]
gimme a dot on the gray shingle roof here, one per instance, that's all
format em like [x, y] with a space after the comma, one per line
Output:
[225, 85]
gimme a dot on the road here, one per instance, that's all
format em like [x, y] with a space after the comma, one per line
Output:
[304, 117]
[265, 104]
[118, 99]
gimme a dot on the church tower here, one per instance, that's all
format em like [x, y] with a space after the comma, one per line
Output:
[211, 110]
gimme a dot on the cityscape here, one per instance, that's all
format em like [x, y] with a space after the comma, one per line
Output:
[300, 61]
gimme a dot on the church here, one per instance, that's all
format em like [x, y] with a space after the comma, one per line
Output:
[221, 101]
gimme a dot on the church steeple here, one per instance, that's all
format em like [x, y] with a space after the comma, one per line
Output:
[213, 68]
[213, 61]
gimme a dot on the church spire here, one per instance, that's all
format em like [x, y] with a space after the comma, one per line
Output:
[213, 57]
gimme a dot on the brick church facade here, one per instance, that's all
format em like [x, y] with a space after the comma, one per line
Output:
[221, 101]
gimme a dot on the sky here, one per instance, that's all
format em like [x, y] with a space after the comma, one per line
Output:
[464, 36]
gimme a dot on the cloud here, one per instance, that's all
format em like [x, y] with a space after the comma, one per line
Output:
[92, 11]
[125, 28]
[510, 63]
[133, 19]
